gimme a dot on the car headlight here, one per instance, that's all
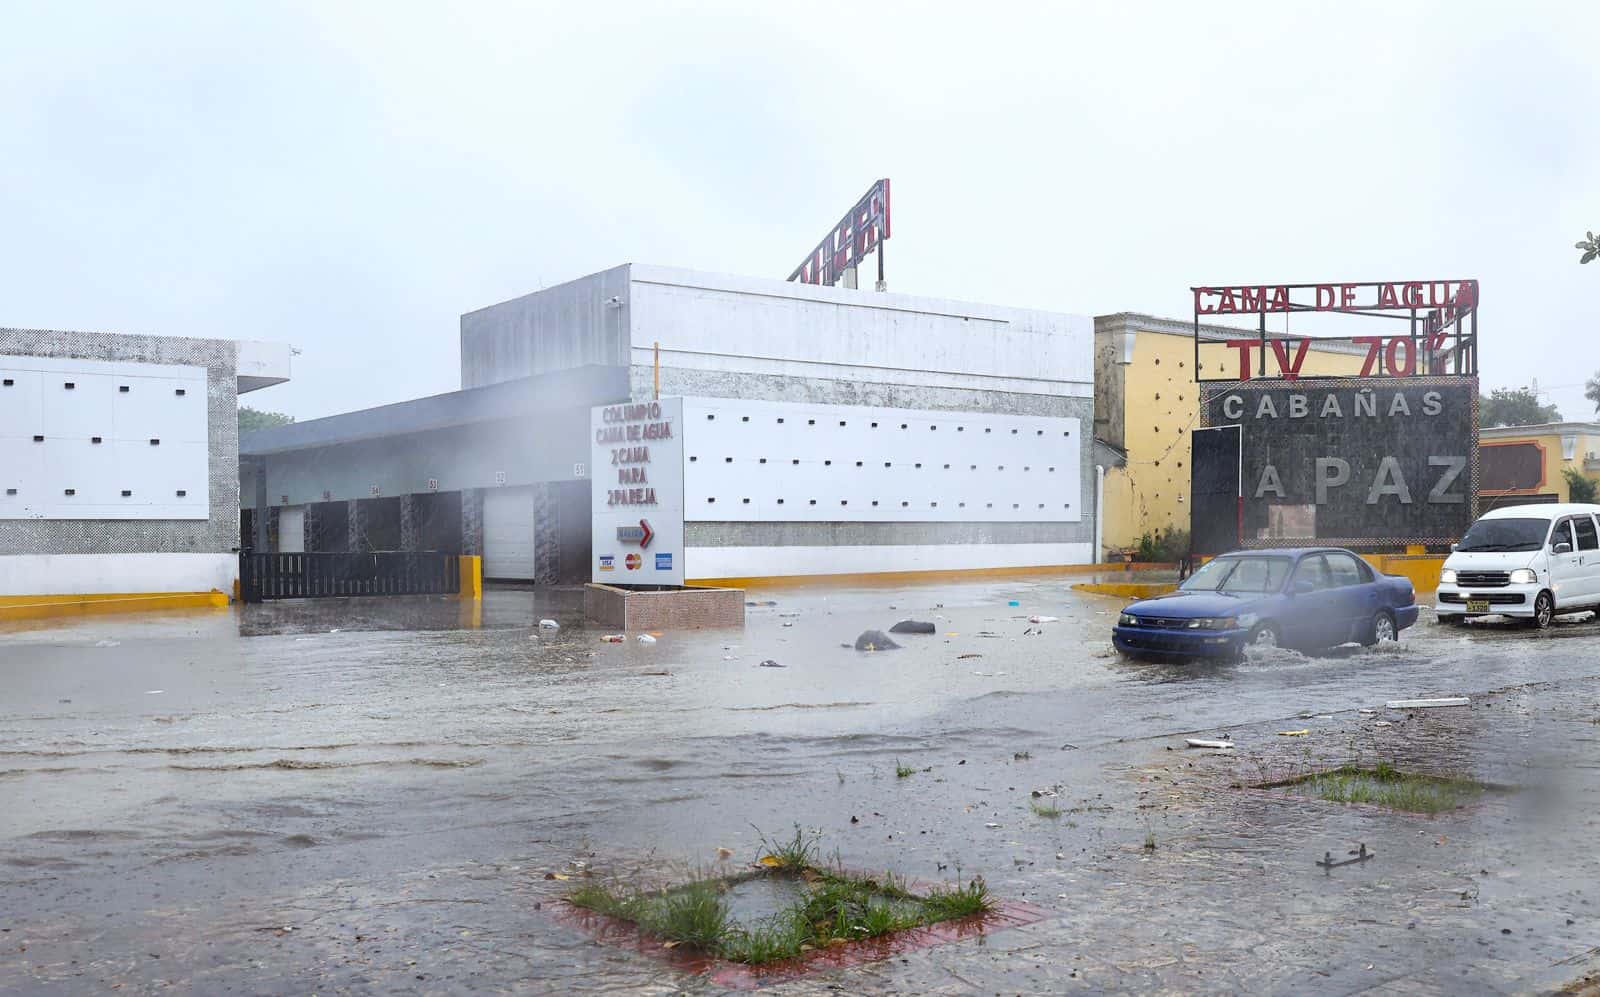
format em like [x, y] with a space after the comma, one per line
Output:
[1215, 623]
[1128, 620]
[1523, 576]
[1447, 577]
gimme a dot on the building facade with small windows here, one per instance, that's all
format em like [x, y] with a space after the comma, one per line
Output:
[823, 430]
[119, 461]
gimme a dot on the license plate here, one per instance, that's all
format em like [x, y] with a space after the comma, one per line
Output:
[1477, 605]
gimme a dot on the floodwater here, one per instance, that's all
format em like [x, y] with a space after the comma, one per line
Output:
[367, 795]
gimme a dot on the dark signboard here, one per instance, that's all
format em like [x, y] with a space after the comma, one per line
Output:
[1513, 467]
[1376, 462]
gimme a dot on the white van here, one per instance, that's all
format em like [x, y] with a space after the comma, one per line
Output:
[1526, 561]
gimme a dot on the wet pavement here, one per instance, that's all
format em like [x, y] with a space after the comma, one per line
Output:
[367, 796]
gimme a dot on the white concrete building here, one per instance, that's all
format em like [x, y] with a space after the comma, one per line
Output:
[119, 461]
[828, 430]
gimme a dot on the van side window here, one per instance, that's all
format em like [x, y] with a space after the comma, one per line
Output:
[1588, 538]
[1562, 534]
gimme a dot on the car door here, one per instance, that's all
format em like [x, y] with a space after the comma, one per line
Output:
[1566, 570]
[1588, 551]
[1353, 597]
[1312, 618]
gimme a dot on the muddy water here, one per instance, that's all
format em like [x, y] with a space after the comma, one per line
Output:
[222, 768]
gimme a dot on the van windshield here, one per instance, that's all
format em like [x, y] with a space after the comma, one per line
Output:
[1505, 534]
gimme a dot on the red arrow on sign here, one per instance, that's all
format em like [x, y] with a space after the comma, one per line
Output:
[649, 534]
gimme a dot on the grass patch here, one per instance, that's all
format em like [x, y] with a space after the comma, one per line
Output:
[791, 855]
[902, 771]
[1386, 786]
[833, 907]
[1043, 809]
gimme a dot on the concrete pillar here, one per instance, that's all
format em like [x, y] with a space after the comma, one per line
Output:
[411, 512]
[546, 536]
[260, 544]
[313, 530]
[358, 525]
[272, 528]
[472, 521]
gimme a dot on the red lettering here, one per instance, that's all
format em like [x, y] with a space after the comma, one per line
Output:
[1386, 296]
[1373, 345]
[1243, 346]
[1200, 307]
[1280, 299]
[1252, 299]
[1411, 356]
[1281, 350]
[1324, 297]
[1413, 295]
[1347, 295]
[1227, 305]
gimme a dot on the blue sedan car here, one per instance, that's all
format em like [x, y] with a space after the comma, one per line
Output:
[1292, 597]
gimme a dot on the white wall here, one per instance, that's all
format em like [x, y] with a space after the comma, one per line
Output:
[719, 322]
[93, 574]
[121, 427]
[761, 461]
[769, 562]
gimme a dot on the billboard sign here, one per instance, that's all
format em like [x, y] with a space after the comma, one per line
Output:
[636, 502]
[1349, 462]
[862, 229]
[1432, 327]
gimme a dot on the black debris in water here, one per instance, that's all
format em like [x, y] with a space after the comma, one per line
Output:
[875, 640]
[912, 627]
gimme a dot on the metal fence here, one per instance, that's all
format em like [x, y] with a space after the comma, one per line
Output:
[319, 576]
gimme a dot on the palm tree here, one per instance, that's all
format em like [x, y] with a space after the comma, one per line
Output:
[1591, 391]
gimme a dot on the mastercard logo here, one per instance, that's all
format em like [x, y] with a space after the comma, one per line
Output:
[633, 561]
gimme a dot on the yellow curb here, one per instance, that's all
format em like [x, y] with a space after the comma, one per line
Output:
[38, 607]
[1127, 590]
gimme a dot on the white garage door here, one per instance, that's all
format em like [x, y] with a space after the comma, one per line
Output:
[292, 529]
[508, 533]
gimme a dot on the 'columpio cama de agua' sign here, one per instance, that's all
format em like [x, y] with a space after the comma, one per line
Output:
[1380, 461]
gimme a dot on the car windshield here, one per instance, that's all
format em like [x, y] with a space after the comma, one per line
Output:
[1239, 574]
[1505, 534]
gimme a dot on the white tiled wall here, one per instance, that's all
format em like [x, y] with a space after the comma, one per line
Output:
[71, 452]
[759, 461]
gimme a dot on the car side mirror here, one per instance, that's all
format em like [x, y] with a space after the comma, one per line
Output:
[1302, 587]
[1453, 548]
[1562, 548]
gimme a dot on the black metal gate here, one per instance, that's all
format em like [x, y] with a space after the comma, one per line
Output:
[319, 576]
[1214, 509]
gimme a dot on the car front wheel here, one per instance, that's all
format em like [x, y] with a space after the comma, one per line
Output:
[1544, 611]
[1264, 635]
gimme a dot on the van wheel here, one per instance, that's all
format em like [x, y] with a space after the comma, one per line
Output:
[1380, 629]
[1544, 611]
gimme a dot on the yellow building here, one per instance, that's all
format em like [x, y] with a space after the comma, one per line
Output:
[1527, 464]
[1147, 402]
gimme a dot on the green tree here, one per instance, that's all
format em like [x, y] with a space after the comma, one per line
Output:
[1579, 488]
[1590, 247]
[251, 419]
[1516, 407]
[1591, 391]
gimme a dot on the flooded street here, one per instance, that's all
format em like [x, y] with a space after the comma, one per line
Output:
[368, 796]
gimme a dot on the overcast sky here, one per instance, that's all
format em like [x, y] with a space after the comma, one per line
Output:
[351, 177]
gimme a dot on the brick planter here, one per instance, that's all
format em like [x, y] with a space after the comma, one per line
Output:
[663, 608]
